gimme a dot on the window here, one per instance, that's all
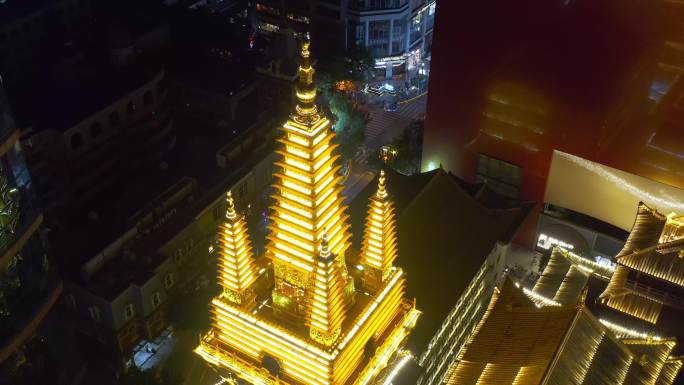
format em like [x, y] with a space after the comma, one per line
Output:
[503, 177]
[76, 140]
[94, 313]
[129, 311]
[168, 280]
[358, 33]
[379, 29]
[156, 300]
[114, 118]
[95, 129]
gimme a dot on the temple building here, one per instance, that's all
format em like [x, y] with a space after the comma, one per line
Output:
[647, 289]
[317, 325]
[522, 342]
[587, 322]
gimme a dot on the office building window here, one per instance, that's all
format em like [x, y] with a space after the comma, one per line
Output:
[503, 177]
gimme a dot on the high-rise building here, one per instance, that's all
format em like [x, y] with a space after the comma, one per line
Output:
[394, 32]
[315, 326]
[502, 104]
[29, 286]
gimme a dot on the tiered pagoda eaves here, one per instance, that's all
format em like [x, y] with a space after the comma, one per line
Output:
[316, 327]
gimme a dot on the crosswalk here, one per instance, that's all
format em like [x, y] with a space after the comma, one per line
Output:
[385, 125]
[413, 108]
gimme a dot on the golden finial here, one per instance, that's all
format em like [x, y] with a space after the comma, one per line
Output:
[305, 47]
[381, 185]
[230, 211]
[305, 90]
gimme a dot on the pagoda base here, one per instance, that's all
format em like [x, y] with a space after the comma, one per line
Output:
[248, 369]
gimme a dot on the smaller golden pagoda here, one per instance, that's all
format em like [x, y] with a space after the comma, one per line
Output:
[379, 248]
[237, 268]
[326, 311]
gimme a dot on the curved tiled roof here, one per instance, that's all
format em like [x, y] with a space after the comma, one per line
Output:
[648, 225]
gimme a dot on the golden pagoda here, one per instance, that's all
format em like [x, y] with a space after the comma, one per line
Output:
[380, 240]
[313, 327]
[237, 268]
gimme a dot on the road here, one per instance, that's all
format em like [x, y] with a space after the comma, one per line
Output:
[382, 128]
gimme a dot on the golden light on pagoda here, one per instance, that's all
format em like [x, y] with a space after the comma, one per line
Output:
[326, 308]
[311, 324]
[379, 248]
[236, 265]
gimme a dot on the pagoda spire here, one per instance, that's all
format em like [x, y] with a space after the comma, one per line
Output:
[307, 198]
[326, 308]
[305, 90]
[236, 264]
[379, 248]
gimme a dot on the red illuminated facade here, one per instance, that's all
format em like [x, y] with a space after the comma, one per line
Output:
[586, 80]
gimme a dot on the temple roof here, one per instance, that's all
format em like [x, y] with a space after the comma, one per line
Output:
[648, 225]
[661, 261]
[518, 342]
[514, 335]
[562, 280]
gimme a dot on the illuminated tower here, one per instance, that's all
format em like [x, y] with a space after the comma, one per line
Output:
[326, 310]
[237, 269]
[380, 239]
[308, 199]
[313, 328]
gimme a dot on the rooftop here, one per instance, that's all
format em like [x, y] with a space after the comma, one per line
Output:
[445, 233]
[76, 89]
[119, 272]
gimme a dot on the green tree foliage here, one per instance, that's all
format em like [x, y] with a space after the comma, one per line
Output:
[408, 147]
[350, 124]
[350, 119]
[357, 65]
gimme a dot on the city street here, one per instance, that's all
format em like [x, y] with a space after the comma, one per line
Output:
[383, 126]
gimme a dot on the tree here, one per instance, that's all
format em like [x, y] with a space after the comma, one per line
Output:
[357, 64]
[350, 120]
[407, 150]
[350, 124]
